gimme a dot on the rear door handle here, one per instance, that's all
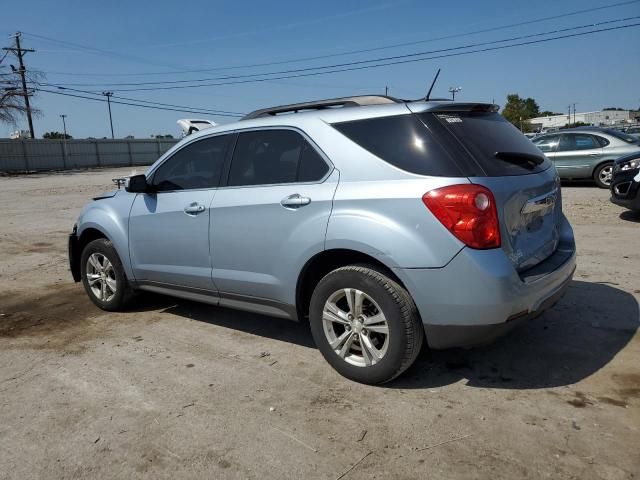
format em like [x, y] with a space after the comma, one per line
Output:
[194, 208]
[295, 201]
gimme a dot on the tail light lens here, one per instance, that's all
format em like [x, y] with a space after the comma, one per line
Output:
[468, 212]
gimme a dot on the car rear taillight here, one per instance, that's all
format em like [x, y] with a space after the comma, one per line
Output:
[468, 211]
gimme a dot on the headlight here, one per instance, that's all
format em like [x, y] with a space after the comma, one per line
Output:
[630, 165]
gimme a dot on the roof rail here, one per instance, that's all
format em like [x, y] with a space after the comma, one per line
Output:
[356, 101]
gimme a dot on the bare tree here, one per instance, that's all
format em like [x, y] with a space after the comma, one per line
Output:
[12, 105]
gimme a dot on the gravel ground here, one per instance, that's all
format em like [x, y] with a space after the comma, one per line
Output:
[174, 389]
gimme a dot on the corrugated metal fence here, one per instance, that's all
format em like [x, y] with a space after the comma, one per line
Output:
[38, 155]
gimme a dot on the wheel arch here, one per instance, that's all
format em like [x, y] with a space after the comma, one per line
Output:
[326, 261]
[98, 223]
[600, 164]
[87, 236]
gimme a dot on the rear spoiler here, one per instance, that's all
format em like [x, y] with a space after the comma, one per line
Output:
[461, 107]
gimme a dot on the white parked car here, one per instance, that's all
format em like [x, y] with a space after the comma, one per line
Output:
[190, 125]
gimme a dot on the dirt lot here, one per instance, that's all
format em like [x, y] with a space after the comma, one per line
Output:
[174, 389]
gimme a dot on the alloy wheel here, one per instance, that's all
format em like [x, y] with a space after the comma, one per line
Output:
[355, 327]
[606, 174]
[101, 277]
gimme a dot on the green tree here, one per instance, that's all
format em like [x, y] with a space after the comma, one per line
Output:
[549, 113]
[519, 110]
[56, 136]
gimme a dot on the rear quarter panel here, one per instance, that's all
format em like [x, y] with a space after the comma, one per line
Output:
[388, 221]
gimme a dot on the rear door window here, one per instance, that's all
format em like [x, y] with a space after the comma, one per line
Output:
[312, 167]
[577, 141]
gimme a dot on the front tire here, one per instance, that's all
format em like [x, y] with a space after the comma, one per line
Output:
[103, 277]
[365, 324]
[603, 175]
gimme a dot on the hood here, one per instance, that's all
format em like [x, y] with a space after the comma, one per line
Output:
[630, 156]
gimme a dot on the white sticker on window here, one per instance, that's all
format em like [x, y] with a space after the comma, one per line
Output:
[451, 118]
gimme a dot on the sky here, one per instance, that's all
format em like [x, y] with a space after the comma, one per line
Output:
[101, 44]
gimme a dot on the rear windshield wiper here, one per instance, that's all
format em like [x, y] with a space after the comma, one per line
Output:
[525, 159]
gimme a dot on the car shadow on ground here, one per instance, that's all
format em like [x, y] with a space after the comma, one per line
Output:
[630, 216]
[577, 337]
[263, 326]
[579, 183]
[573, 340]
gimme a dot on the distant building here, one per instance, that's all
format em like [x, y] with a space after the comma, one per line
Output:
[18, 134]
[599, 119]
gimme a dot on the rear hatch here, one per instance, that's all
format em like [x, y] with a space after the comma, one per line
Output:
[498, 156]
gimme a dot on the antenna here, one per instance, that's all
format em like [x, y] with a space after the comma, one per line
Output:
[432, 84]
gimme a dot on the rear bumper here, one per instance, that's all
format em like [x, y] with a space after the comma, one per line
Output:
[479, 296]
[448, 336]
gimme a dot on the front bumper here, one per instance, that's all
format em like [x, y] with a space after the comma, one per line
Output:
[625, 189]
[479, 295]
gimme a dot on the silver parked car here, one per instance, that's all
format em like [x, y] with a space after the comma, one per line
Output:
[634, 131]
[587, 153]
[383, 222]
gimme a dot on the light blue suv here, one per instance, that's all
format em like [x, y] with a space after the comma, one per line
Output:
[382, 222]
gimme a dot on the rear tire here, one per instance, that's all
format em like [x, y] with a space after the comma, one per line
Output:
[365, 324]
[103, 276]
[603, 175]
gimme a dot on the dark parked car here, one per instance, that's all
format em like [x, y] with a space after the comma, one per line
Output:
[625, 184]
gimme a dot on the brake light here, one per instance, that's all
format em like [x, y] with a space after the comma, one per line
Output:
[468, 211]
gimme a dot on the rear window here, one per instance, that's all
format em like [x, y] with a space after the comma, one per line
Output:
[494, 143]
[404, 142]
[622, 136]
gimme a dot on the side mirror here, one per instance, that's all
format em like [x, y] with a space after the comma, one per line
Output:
[137, 184]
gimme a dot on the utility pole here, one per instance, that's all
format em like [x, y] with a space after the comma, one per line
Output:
[64, 125]
[108, 95]
[453, 91]
[19, 51]
[64, 139]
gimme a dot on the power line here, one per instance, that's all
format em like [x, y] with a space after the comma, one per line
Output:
[353, 52]
[348, 64]
[383, 64]
[77, 46]
[186, 108]
[132, 104]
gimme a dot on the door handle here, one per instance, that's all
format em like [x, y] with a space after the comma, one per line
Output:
[194, 208]
[295, 201]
